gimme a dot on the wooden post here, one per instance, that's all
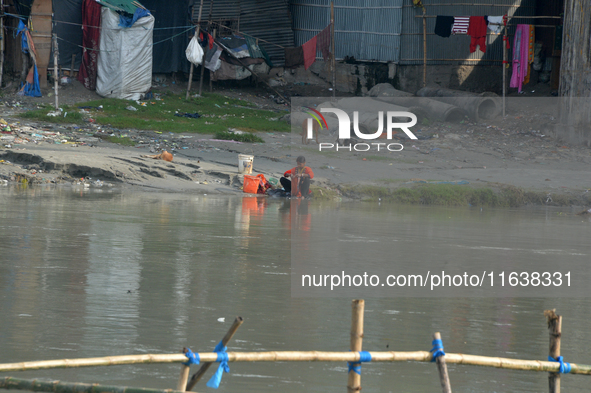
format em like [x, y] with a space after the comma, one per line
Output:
[197, 376]
[424, 47]
[202, 67]
[333, 57]
[442, 367]
[358, 306]
[182, 383]
[192, 65]
[505, 38]
[55, 73]
[555, 330]
[72, 65]
[1, 40]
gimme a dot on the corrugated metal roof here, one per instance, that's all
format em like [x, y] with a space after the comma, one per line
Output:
[364, 29]
[267, 20]
[455, 49]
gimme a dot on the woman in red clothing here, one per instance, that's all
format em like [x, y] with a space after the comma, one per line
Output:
[301, 175]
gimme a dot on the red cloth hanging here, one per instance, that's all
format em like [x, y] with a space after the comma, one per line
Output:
[91, 34]
[477, 30]
[309, 52]
[323, 42]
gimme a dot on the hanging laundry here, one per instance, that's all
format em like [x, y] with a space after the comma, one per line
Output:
[91, 34]
[443, 25]
[294, 57]
[309, 49]
[212, 58]
[460, 25]
[323, 42]
[531, 45]
[477, 30]
[237, 45]
[495, 23]
[520, 56]
[206, 40]
[530, 52]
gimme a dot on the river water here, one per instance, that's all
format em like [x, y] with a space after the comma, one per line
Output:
[90, 274]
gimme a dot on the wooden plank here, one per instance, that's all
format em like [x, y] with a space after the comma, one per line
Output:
[41, 11]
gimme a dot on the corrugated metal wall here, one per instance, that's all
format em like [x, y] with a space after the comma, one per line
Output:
[364, 29]
[456, 49]
[267, 20]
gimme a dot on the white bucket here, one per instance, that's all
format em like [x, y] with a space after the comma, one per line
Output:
[245, 164]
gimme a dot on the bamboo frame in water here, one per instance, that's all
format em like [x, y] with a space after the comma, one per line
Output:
[302, 356]
[71, 387]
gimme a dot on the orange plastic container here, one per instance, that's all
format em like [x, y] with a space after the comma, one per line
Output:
[251, 184]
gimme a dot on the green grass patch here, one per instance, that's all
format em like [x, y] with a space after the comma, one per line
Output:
[120, 140]
[218, 113]
[389, 181]
[73, 116]
[448, 195]
[246, 137]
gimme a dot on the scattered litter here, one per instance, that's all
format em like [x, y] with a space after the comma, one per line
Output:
[221, 319]
[131, 108]
[190, 115]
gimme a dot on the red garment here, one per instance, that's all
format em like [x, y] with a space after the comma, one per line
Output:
[323, 42]
[477, 30]
[91, 34]
[309, 52]
[294, 184]
[209, 39]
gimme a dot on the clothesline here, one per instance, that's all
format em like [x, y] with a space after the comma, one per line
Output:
[23, 17]
[508, 17]
[117, 50]
[242, 33]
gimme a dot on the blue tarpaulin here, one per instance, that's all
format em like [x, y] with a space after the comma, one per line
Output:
[30, 89]
[23, 29]
[125, 21]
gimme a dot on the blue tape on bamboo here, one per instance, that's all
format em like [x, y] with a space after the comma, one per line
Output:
[564, 366]
[364, 356]
[220, 349]
[437, 349]
[193, 358]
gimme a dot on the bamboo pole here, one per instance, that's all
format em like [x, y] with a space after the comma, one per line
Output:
[555, 330]
[424, 47]
[358, 306]
[1, 40]
[182, 383]
[333, 57]
[72, 65]
[70, 387]
[225, 340]
[55, 73]
[505, 38]
[303, 356]
[192, 65]
[202, 67]
[211, 72]
[442, 367]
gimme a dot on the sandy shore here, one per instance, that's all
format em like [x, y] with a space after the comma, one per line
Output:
[516, 150]
[203, 165]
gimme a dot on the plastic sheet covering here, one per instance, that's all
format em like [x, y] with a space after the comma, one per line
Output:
[125, 59]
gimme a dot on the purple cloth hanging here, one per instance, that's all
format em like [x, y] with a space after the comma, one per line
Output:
[520, 56]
